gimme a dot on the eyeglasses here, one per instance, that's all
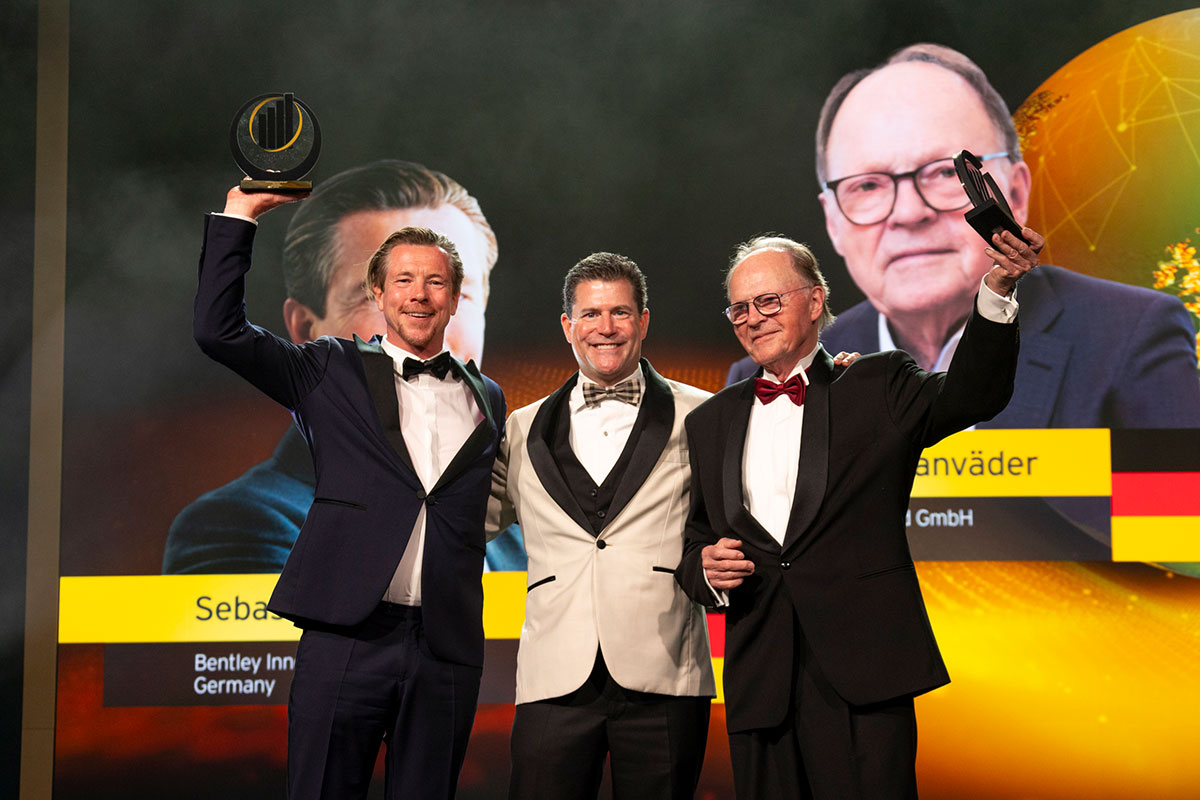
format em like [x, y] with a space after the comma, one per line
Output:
[870, 197]
[768, 305]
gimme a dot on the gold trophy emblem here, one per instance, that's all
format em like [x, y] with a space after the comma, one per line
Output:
[275, 140]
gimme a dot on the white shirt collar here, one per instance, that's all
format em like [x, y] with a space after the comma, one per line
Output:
[801, 367]
[399, 352]
[575, 401]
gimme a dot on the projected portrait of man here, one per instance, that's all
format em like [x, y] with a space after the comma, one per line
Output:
[250, 523]
[1094, 353]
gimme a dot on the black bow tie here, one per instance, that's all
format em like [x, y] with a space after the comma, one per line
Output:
[437, 366]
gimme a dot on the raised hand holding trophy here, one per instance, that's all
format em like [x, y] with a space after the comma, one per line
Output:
[276, 141]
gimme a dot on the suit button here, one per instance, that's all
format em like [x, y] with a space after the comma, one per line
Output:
[601, 544]
[431, 500]
[593, 492]
[785, 565]
[600, 514]
[420, 494]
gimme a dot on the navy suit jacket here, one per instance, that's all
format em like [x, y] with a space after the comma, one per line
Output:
[1094, 354]
[342, 395]
[844, 569]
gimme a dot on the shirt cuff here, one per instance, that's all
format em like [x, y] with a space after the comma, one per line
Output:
[994, 307]
[235, 216]
[721, 599]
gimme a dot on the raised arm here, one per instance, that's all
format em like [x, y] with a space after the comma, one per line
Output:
[282, 370]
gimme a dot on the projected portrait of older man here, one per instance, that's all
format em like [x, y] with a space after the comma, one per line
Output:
[250, 524]
[1094, 353]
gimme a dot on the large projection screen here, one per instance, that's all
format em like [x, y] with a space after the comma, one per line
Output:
[1058, 560]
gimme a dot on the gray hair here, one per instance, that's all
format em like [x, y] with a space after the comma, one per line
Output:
[802, 259]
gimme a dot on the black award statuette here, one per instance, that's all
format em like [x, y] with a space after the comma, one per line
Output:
[275, 140]
[990, 212]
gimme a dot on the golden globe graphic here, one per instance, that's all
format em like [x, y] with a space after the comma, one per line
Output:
[1113, 141]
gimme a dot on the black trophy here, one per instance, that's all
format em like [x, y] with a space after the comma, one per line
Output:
[276, 141]
[990, 212]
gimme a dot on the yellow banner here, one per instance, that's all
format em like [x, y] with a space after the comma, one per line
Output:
[220, 608]
[1156, 539]
[1017, 463]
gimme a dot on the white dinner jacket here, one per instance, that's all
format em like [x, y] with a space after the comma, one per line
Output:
[616, 591]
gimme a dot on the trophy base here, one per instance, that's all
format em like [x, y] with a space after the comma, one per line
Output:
[283, 187]
[989, 218]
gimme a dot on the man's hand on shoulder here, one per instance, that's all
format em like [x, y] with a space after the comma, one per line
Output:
[725, 565]
[1013, 258]
[255, 204]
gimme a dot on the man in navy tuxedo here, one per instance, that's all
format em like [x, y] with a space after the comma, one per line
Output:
[1094, 353]
[251, 523]
[384, 577]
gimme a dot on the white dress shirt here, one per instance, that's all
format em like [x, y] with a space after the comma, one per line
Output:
[771, 458]
[599, 433]
[436, 418]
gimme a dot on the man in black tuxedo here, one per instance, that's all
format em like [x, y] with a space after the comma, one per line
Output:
[801, 480]
[384, 577]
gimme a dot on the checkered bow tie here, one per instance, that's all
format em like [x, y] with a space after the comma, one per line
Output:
[627, 391]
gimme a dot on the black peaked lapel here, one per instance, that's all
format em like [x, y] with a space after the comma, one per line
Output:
[731, 478]
[541, 453]
[813, 473]
[485, 431]
[648, 438]
[379, 370]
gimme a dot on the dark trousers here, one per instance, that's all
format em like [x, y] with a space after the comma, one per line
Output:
[357, 687]
[655, 743]
[827, 749]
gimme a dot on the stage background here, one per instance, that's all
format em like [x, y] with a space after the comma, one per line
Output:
[668, 133]
[18, 70]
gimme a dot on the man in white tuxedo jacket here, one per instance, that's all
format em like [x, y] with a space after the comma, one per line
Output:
[614, 658]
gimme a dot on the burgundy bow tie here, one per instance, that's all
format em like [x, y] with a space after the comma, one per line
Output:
[767, 390]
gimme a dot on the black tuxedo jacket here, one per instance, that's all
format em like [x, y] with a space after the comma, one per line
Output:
[342, 395]
[844, 570]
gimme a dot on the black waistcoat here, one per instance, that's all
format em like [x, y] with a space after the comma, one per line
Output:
[594, 500]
